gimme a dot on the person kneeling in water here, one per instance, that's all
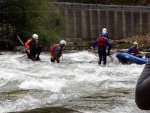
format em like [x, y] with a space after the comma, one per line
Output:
[142, 92]
[56, 51]
[33, 47]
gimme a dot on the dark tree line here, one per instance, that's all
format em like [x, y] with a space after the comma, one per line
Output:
[26, 17]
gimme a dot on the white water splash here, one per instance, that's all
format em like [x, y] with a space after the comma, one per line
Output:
[26, 84]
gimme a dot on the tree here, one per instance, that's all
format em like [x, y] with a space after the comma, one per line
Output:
[33, 16]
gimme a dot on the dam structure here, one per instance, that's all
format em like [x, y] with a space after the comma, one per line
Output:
[86, 21]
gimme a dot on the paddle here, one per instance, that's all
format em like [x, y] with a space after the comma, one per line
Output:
[25, 47]
[144, 53]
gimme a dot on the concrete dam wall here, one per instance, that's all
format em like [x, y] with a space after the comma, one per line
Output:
[85, 21]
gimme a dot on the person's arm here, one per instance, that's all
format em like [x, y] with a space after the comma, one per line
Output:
[56, 51]
[145, 74]
[95, 43]
[148, 50]
[107, 36]
[129, 50]
[142, 92]
[108, 43]
[27, 44]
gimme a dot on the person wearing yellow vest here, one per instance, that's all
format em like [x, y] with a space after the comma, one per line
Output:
[56, 51]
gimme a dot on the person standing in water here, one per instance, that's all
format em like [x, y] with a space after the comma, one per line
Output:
[102, 42]
[56, 51]
[104, 31]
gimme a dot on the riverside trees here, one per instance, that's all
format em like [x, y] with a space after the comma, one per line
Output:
[25, 17]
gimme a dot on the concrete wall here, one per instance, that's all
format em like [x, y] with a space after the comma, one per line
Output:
[85, 23]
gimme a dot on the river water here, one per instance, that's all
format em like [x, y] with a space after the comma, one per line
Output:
[76, 83]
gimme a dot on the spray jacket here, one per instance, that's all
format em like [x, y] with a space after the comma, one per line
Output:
[133, 50]
[56, 50]
[31, 44]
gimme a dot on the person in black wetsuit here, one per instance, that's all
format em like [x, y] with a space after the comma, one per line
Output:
[142, 92]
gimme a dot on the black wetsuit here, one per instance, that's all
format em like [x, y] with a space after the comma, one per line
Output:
[142, 92]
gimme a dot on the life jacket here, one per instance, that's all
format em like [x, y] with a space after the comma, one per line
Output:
[53, 50]
[102, 41]
[134, 50]
[32, 44]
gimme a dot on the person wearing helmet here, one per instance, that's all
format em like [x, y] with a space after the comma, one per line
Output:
[102, 42]
[134, 49]
[33, 48]
[105, 33]
[56, 51]
[104, 30]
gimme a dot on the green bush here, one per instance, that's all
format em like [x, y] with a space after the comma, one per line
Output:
[33, 16]
[124, 46]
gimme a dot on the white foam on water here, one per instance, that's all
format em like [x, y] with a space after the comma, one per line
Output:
[78, 75]
[49, 85]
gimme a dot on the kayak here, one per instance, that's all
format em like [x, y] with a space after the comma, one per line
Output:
[128, 58]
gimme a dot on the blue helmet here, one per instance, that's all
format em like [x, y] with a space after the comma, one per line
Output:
[104, 34]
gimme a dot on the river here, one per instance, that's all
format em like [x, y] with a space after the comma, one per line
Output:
[77, 83]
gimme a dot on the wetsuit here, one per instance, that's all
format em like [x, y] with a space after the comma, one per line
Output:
[142, 92]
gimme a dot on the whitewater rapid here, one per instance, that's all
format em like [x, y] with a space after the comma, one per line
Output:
[77, 83]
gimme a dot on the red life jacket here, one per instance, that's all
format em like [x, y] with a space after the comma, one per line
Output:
[53, 50]
[134, 50]
[102, 41]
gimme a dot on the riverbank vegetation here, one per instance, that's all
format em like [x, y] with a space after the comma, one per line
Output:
[125, 43]
[25, 17]
[142, 40]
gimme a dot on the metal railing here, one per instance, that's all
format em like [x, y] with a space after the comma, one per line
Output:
[68, 5]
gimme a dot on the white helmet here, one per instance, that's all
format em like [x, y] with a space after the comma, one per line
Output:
[35, 36]
[135, 43]
[63, 42]
[104, 30]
